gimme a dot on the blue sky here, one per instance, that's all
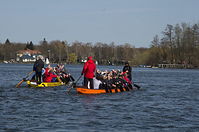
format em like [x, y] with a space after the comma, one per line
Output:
[120, 21]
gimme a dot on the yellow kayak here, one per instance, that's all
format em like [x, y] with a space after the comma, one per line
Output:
[43, 84]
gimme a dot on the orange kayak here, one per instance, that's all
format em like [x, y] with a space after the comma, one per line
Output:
[84, 90]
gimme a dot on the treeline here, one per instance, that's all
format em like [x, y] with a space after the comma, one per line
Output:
[179, 44]
[63, 52]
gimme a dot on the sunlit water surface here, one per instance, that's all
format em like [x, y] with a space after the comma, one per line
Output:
[167, 101]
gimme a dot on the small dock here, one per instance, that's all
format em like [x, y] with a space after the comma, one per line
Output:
[174, 66]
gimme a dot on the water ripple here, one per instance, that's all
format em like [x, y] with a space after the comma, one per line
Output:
[167, 101]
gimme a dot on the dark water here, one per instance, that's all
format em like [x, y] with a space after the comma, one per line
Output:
[168, 101]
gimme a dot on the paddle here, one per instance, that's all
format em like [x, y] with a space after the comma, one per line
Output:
[23, 79]
[137, 86]
[74, 83]
[58, 78]
[71, 77]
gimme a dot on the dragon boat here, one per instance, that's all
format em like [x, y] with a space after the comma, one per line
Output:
[84, 90]
[43, 84]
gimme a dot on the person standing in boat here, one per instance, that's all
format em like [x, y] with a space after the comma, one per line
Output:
[37, 67]
[89, 72]
[127, 69]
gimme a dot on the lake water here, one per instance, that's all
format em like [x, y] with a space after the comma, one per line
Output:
[167, 101]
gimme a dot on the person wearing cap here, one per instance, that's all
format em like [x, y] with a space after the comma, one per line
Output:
[37, 67]
[127, 69]
[89, 72]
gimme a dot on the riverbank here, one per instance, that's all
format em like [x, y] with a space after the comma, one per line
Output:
[167, 66]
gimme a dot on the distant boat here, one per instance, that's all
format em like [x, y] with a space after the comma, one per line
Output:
[47, 61]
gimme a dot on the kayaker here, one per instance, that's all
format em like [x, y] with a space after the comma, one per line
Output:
[37, 67]
[89, 71]
[127, 68]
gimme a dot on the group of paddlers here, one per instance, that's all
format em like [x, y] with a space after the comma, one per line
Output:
[50, 74]
[93, 78]
[111, 80]
[96, 79]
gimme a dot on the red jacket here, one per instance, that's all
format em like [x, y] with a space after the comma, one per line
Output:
[126, 78]
[48, 76]
[89, 69]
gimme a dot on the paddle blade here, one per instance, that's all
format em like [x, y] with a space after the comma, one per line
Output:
[24, 79]
[71, 85]
[137, 86]
[19, 83]
[71, 77]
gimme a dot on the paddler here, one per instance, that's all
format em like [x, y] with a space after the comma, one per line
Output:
[89, 72]
[127, 69]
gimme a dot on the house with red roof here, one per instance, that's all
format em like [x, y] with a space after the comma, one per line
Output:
[27, 55]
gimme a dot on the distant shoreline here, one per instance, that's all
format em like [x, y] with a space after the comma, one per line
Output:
[167, 66]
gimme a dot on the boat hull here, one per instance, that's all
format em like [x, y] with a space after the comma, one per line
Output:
[84, 90]
[43, 84]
